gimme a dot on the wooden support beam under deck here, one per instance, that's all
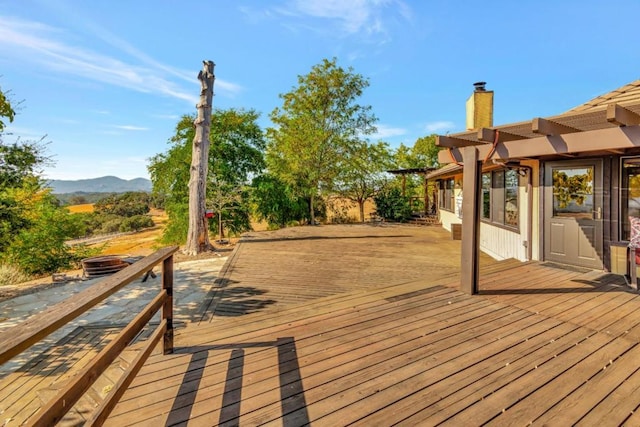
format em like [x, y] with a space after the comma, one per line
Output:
[451, 142]
[621, 116]
[549, 127]
[489, 135]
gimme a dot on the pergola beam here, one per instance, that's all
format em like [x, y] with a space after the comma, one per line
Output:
[550, 128]
[621, 116]
[613, 138]
[489, 135]
[453, 142]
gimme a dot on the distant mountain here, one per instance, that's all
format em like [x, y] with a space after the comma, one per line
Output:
[105, 184]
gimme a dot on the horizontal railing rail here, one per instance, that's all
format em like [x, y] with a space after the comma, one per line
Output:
[39, 326]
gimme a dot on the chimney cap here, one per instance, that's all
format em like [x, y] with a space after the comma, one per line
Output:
[479, 86]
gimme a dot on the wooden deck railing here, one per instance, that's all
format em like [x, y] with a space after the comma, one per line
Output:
[39, 326]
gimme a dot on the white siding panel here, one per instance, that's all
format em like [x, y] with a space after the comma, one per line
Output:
[501, 243]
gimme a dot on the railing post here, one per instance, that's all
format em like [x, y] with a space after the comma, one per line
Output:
[167, 308]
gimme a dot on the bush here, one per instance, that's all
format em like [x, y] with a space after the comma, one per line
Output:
[392, 206]
[135, 223]
[11, 275]
[111, 225]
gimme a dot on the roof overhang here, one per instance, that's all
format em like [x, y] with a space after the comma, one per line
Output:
[612, 128]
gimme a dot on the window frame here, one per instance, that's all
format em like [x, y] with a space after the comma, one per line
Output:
[623, 208]
[446, 198]
[497, 197]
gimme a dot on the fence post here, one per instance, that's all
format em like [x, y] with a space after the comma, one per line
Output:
[167, 308]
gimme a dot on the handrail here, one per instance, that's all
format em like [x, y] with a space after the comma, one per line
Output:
[37, 327]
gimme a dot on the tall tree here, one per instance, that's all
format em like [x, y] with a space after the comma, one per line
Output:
[319, 124]
[236, 153]
[198, 232]
[364, 174]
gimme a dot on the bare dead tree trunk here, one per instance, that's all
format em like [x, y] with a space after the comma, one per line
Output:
[198, 234]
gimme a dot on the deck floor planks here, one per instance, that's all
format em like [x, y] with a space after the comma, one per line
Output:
[384, 336]
[474, 379]
[579, 403]
[346, 333]
[553, 392]
[50, 373]
[594, 351]
[339, 336]
[456, 401]
[372, 385]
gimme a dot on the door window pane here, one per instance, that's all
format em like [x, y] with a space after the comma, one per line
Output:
[573, 192]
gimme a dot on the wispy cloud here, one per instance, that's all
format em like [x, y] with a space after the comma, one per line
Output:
[362, 17]
[439, 126]
[44, 46]
[385, 131]
[130, 127]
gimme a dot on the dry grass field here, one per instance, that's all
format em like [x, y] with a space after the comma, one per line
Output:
[87, 207]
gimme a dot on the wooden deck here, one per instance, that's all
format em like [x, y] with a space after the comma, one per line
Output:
[335, 326]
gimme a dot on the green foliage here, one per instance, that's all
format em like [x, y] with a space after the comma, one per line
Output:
[128, 204]
[19, 162]
[391, 205]
[317, 127]
[175, 232]
[41, 247]
[6, 110]
[135, 223]
[236, 152]
[275, 201]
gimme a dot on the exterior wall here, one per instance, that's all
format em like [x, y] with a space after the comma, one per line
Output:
[501, 242]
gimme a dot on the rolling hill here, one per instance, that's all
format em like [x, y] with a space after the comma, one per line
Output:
[105, 184]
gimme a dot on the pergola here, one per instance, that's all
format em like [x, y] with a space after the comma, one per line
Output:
[414, 171]
[595, 129]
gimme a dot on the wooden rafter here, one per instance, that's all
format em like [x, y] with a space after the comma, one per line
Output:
[489, 135]
[453, 142]
[621, 116]
[612, 138]
[549, 127]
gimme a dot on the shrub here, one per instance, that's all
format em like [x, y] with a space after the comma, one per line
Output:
[11, 275]
[111, 226]
[391, 205]
[135, 223]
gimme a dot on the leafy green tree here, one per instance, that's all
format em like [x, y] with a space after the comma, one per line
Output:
[40, 248]
[132, 203]
[364, 174]
[317, 128]
[236, 152]
[276, 202]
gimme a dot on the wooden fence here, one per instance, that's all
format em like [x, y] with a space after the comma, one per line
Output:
[39, 326]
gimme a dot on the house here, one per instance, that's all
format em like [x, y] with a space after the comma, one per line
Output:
[556, 189]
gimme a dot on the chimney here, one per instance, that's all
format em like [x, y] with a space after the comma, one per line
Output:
[480, 107]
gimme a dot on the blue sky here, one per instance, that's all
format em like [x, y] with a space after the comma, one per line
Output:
[107, 80]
